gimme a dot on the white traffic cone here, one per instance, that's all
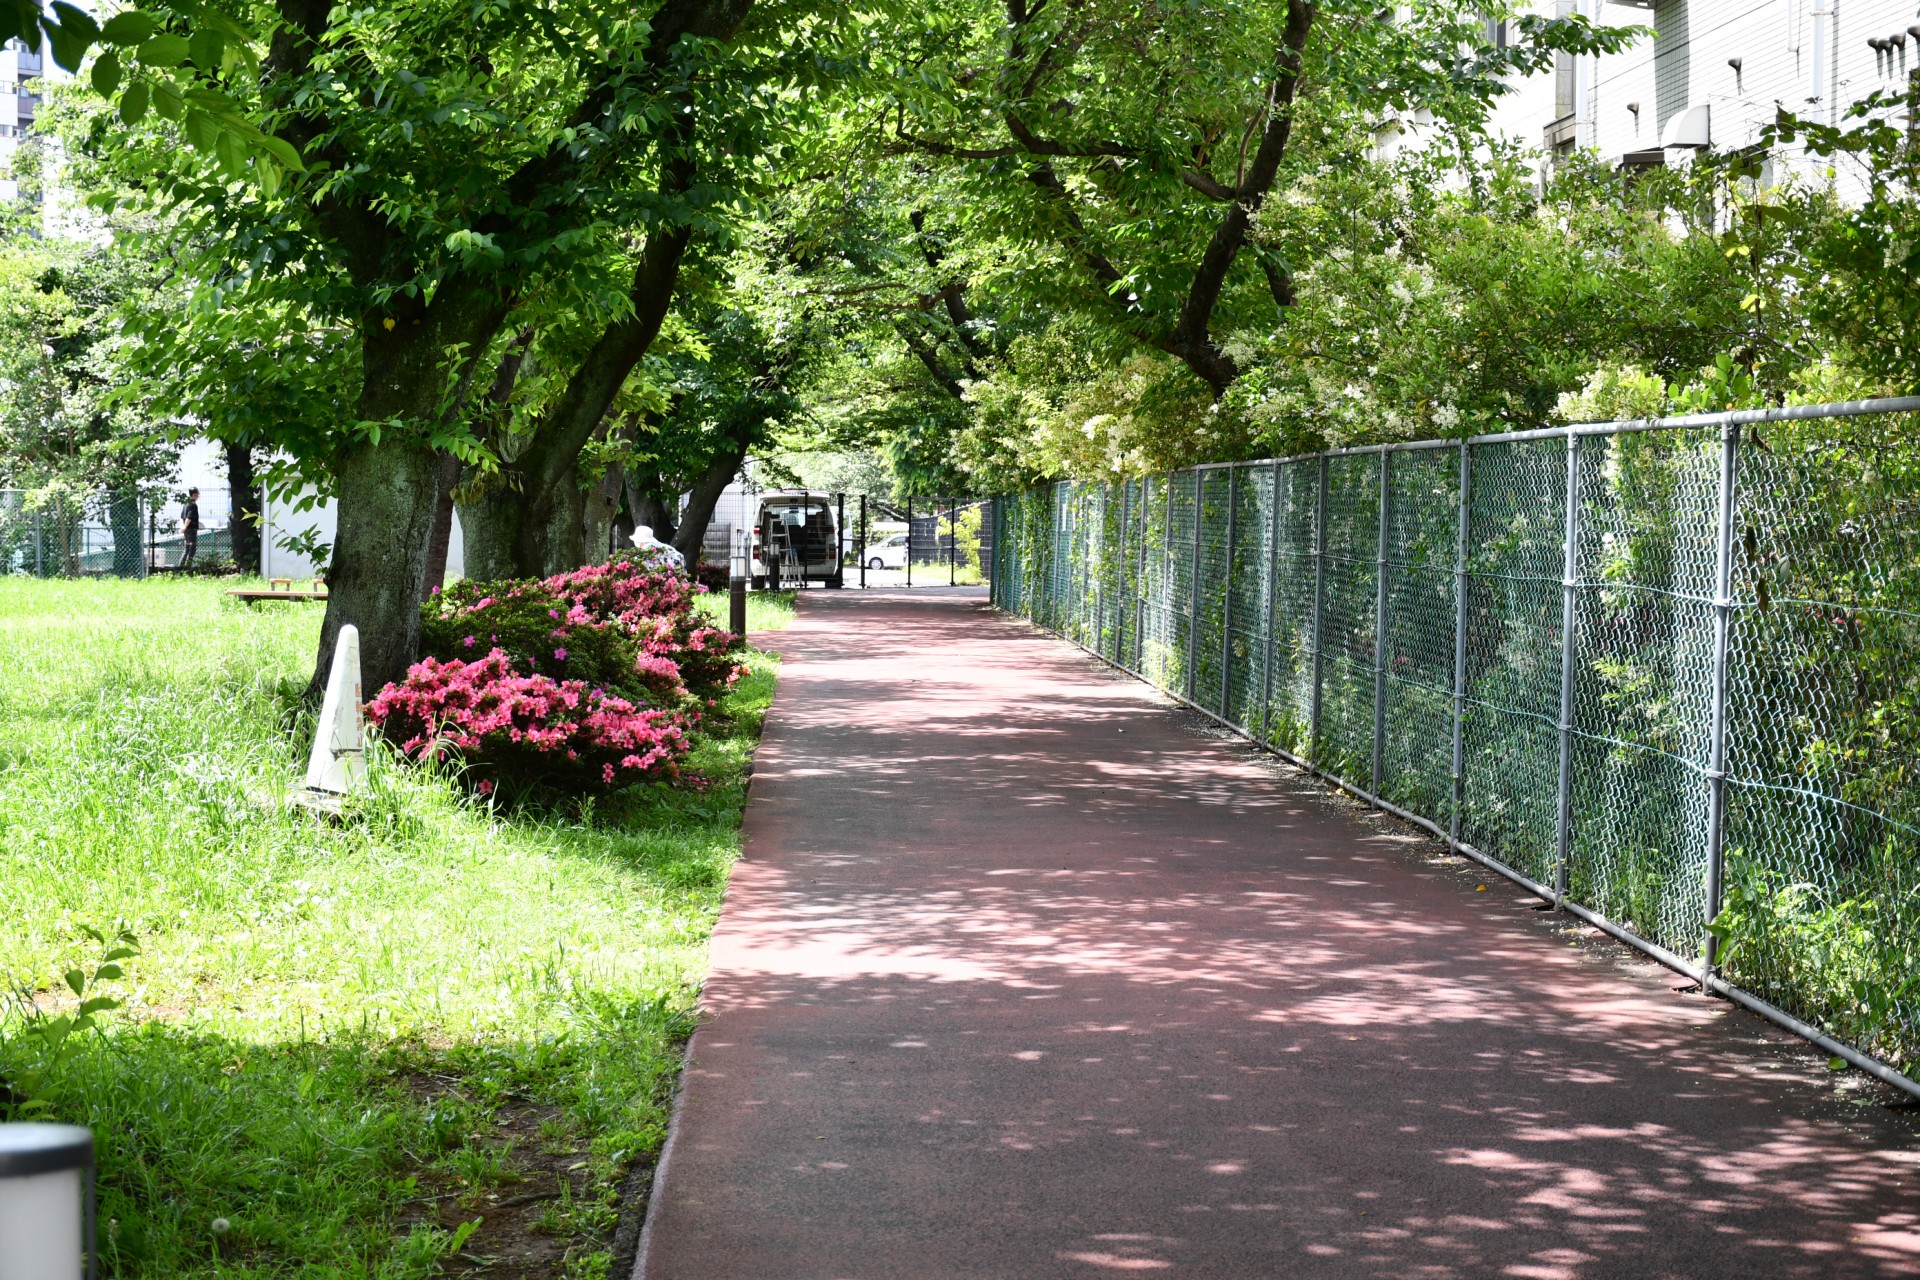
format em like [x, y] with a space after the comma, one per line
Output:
[338, 764]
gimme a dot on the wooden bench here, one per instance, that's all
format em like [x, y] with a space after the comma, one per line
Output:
[281, 589]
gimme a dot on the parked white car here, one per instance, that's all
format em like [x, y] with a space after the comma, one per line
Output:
[888, 553]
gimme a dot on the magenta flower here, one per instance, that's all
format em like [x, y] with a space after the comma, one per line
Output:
[559, 655]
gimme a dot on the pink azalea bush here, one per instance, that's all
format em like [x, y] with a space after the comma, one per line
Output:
[586, 680]
[529, 727]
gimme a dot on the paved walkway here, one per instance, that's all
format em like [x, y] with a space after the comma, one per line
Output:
[1020, 978]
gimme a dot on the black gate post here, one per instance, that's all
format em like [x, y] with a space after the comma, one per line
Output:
[953, 544]
[909, 543]
[861, 552]
[839, 546]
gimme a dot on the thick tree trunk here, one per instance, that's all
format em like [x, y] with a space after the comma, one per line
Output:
[489, 534]
[554, 537]
[244, 490]
[442, 535]
[385, 495]
[386, 491]
[602, 502]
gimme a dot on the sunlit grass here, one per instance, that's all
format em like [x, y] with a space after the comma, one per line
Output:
[299, 978]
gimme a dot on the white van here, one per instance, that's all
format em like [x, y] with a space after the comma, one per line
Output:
[796, 538]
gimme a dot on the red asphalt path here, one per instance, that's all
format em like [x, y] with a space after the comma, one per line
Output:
[1019, 977]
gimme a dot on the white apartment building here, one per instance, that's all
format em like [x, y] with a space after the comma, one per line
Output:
[1714, 74]
[17, 66]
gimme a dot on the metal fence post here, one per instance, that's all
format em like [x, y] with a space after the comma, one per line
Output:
[39, 547]
[909, 542]
[1460, 646]
[1569, 604]
[1099, 580]
[1139, 576]
[862, 553]
[1123, 597]
[1226, 595]
[1319, 610]
[1267, 608]
[1193, 592]
[1717, 742]
[1380, 628]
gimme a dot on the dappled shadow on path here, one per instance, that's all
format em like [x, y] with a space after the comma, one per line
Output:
[1018, 978]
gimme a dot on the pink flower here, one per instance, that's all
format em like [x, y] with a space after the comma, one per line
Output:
[559, 655]
[468, 642]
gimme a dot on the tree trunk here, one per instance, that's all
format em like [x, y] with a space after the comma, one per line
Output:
[385, 494]
[386, 490]
[720, 471]
[651, 509]
[244, 492]
[602, 503]
[490, 532]
[442, 534]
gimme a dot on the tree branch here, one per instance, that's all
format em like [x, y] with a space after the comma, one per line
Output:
[1191, 338]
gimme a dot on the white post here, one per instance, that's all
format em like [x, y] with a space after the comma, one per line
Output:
[46, 1202]
[338, 763]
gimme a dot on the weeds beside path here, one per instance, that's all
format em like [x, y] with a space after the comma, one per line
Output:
[430, 1037]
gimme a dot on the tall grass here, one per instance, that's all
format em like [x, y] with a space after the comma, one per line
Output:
[326, 1019]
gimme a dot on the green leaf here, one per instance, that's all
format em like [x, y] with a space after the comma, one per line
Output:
[269, 174]
[164, 51]
[202, 132]
[121, 952]
[98, 1003]
[131, 27]
[1836, 1064]
[18, 20]
[108, 971]
[133, 103]
[167, 100]
[206, 48]
[77, 981]
[77, 20]
[231, 153]
[106, 73]
[283, 151]
[70, 41]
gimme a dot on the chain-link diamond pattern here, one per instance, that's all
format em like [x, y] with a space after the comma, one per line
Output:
[1423, 536]
[1348, 618]
[1256, 590]
[1643, 680]
[1249, 580]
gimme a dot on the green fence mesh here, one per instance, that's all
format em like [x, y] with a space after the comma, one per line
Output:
[1550, 674]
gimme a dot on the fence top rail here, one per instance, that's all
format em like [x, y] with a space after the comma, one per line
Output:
[1726, 418]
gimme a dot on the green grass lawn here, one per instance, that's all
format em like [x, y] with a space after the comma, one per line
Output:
[429, 1037]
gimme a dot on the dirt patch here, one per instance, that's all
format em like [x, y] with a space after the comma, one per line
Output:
[522, 1194]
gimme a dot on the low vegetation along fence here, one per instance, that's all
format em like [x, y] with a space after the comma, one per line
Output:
[1665, 674]
[106, 534]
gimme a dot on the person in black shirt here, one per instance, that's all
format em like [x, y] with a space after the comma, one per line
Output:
[189, 527]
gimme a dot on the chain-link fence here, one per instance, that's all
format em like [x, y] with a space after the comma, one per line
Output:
[1666, 675]
[109, 535]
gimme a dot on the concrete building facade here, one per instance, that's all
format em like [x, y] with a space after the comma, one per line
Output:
[17, 106]
[1713, 75]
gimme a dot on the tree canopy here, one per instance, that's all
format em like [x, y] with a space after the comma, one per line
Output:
[548, 262]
